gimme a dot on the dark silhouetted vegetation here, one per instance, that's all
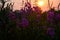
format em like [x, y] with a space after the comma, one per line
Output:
[29, 23]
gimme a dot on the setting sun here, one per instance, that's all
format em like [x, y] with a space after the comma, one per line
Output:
[40, 3]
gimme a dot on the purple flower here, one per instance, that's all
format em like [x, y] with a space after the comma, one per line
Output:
[57, 17]
[11, 16]
[37, 17]
[51, 31]
[50, 16]
[24, 22]
[18, 23]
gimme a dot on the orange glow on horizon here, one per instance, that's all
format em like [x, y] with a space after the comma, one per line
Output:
[40, 3]
[44, 5]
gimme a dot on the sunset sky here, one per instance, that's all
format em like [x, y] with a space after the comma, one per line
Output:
[18, 4]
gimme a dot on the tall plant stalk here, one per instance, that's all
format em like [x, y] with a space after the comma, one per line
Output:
[50, 5]
[58, 6]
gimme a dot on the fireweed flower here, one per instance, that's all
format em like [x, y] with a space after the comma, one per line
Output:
[50, 16]
[57, 17]
[18, 23]
[51, 32]
[24, 22]
[11, 16]
[38, 18]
